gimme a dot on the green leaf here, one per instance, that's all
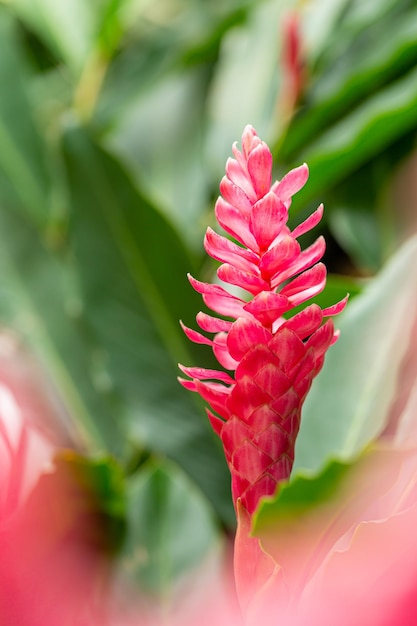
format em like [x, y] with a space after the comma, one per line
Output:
[170, 527]
[132, 276]
[39, 300]
[165, 152]
[356, 66]
[362, 134]
[24, 178]
[245, 87]
[350, 400]
[71, 28]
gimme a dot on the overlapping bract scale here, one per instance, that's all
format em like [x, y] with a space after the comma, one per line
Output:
[272, 355]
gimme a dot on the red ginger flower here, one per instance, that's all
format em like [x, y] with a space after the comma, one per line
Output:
[274, 359]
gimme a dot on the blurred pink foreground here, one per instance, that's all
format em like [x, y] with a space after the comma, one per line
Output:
[361, 568]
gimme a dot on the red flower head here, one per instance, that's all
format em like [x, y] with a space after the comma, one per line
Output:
[272, 359]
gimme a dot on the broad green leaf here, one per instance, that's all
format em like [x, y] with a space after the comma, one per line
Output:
[132, 275]
[320, 19]
[359, 136]
[40, 301]
[24, 178]
[360, 64]
[170, 528]
[173, 36]
[165, 153]
[350, 400]
[71, 28]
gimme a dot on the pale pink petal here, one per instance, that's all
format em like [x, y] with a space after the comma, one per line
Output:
[309, 223]
[202, 373]
[267, 218]
[212, 324]
[235, 224]
[306, 285]
[336, 336]
[292, 182]
[245, 280]
[337, 308]
[260, 169]
[237, 172]
[221, 352]
[226, 251]
[306, 321]
[235, 196]
[250, 140]
[215, 395]
[218, 299]
[229, 305]
[194, 336]
[321, 339]
[189, 385]
[267, 306]
[244, 335]
[216, 423]
[238, 155]
[305, 259]
[203, 288]
[278, 258]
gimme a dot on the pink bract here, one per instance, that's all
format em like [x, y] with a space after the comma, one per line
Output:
[272, 356]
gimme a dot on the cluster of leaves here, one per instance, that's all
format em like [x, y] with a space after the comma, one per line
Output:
[116, 117]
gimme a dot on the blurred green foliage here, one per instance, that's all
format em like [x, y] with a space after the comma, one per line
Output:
[116, 117]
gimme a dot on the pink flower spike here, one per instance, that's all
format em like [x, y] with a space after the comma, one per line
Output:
[271, 361]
